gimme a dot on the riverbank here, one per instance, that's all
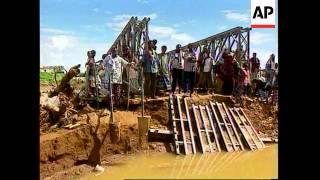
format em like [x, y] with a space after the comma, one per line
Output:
[65, 153]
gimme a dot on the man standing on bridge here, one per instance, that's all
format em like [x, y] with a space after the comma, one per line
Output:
[177, 65]
[163, 69]
[254, 66]
[133, 73]
[91, 73]
[150, 69]
[226, 73]
[189, 70]
[206, 65]
[270, 68]
[114, 67]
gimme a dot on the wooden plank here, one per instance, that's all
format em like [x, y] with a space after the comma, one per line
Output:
[213, 129]
[161, 131]
[182, 125]
[190, 127]
[205, 127]
[227, 127]
[253, 129]
[176, 119]
[269, 140]
[202, 130]
[228, 124]
[194, 108]
[245, 133]
[233, 127]
[72, 126]
[188, 132]
[174, 124]
[220, 127]
[248, 129]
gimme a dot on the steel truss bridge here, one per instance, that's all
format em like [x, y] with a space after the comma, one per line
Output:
[136, 32]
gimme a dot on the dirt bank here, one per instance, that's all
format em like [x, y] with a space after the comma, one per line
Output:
[61, 149]
[264, 118]
[65, 148]
[67, 153]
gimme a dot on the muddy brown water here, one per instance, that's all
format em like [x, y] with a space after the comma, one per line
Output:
[241, 165]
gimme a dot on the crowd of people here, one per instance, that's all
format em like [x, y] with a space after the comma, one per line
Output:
[184, 73]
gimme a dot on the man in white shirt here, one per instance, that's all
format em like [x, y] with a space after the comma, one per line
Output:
[177, 64]
[205, 80]
[189, 70]
[114, 65]
[163, 68]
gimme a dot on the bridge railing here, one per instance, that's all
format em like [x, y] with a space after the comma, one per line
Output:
[235, 39]
[135, 33]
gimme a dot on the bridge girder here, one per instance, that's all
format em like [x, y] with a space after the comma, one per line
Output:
[233, 39]
[133, 36]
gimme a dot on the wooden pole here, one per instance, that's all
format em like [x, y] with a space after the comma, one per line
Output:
[111, 95]
[95, 82]
[142, 91]
[142, 82]
[128, 75]
[87, 81]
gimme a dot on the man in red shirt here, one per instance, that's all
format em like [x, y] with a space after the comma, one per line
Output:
[254, 66]
[227, 73]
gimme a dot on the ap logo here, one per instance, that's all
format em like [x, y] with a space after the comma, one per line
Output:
[263, 13]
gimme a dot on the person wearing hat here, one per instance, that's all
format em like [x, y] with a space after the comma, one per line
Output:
[177, 64]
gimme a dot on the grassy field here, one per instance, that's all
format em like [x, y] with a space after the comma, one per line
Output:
[46, 77]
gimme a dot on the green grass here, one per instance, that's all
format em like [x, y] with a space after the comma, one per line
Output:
[49, 77]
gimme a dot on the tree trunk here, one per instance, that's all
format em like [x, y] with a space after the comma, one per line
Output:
[64, 85]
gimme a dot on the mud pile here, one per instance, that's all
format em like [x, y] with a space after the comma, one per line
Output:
[264, 117]
[58, 110]
[64, 149]
[158, 110]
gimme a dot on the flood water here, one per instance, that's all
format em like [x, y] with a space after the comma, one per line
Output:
[262, 164]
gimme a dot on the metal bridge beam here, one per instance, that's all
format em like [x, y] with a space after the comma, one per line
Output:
[234, 39]
[131, 36]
